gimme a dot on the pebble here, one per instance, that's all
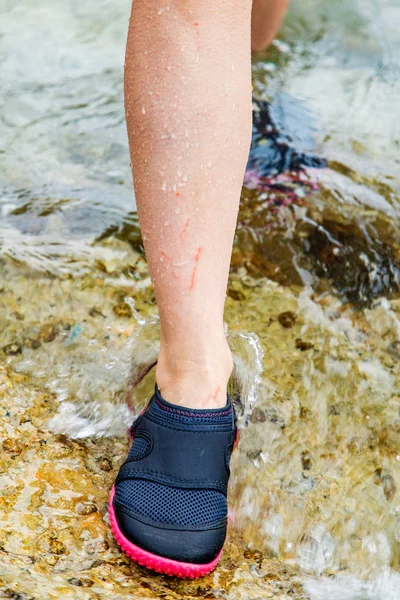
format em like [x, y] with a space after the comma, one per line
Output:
[86, 508]
[57, 547]
[16, 595]
[12, 446]
[12, 349]
[32, 344]
[105, 464]
[80, 582]
[122, 310]
[303, 346]
[47, 333]
[287, 319]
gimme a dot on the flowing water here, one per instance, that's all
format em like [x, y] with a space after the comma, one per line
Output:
[312, 313]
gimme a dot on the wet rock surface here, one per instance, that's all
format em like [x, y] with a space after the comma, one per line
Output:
[322, 442]
[55, 541]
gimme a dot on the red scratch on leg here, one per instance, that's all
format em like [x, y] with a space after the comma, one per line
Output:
[215, 394]
[197, 257]
[196, 26]
[182, 233]
[165, 255]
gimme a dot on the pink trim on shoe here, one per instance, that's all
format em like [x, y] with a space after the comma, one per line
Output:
[154, 562]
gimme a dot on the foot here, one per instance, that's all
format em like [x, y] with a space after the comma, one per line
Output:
[168, 508]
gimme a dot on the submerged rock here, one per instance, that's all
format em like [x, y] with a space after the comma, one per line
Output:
[360, 266]
[12, 349]
[54, 540]
[47, 333]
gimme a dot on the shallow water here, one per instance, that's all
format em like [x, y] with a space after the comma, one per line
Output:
[313, 298]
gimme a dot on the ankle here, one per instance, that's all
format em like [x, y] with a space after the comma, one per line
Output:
[198, 381]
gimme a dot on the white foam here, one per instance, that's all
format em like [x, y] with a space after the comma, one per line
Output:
[384, 586]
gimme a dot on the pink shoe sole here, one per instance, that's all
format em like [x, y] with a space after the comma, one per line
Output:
[152, 561]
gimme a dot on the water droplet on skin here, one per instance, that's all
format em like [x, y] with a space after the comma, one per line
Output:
[233, 66]
[143, 110]
[160, 12]
[177, 210]
[166, 223]
[174, 187]
[173, 136]
[185, 178]
[180, 264]
[161, 259]
[164, 187]
[169, 68]
[209, 165]
[186, 133]
[179, 173]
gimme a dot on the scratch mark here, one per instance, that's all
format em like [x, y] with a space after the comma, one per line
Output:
[215, 394]
[165, 255]
[197, 257]
[182, 233]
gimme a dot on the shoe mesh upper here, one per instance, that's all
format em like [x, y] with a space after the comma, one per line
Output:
[172, 506]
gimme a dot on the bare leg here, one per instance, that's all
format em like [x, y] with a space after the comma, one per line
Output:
[188, 109]
[266, 19]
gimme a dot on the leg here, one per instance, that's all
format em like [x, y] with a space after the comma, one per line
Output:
[188, 105]
[266, 19]
[188, 109]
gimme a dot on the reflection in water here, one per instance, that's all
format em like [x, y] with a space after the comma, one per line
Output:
[315, 279]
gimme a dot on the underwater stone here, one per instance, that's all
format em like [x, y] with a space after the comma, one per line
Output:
[12, 349]
[105, 464]
[122, 310]
[302, 345]
[287, 319]
[12, 446]
[86, 508]
[32, 344]
[47, 333]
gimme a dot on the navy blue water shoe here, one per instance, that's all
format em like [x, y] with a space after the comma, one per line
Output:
[168, 507]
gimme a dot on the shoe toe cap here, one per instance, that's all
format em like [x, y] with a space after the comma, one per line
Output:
[179, 544]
